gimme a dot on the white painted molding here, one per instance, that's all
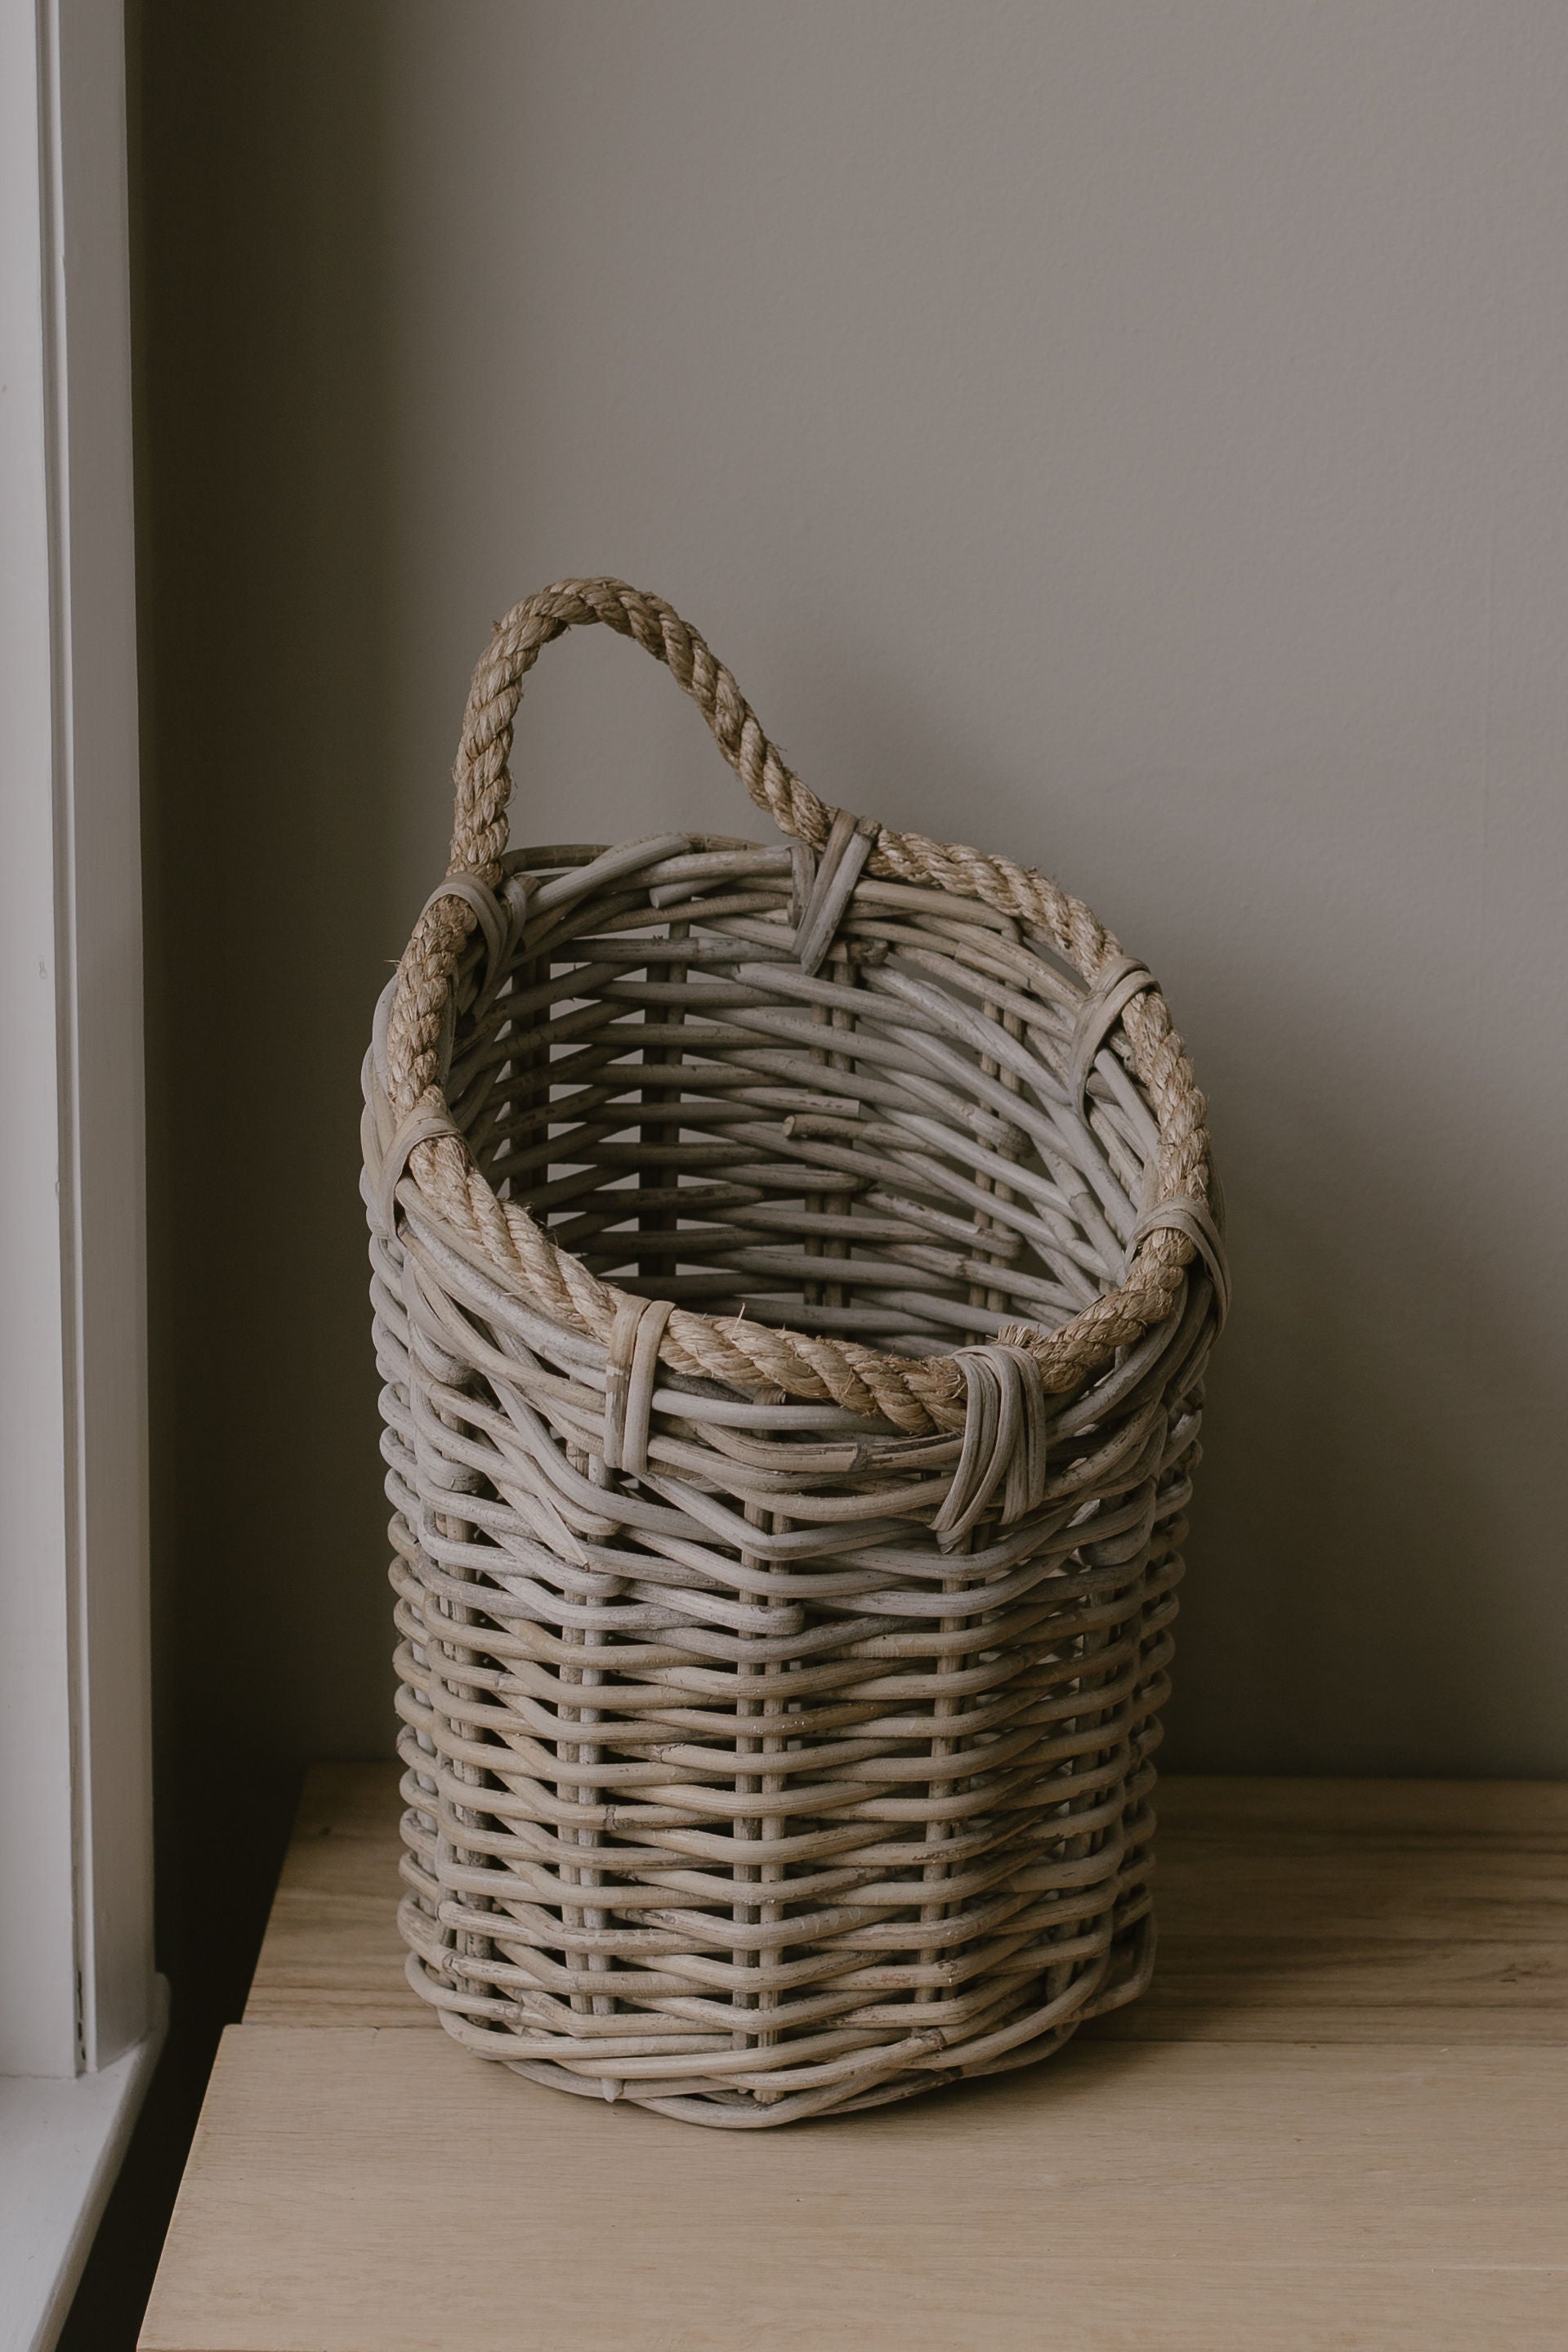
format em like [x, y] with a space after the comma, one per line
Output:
[60, 2148]
[98, 853]
[76, 1988]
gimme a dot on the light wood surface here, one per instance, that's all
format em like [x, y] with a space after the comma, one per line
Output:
[1339, 2118]
[1289, 1910]
[1261, 2172]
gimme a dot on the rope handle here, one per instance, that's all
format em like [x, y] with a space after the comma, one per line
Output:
[483, 782]
[482, 774]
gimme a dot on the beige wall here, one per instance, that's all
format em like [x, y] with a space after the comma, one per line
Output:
[1128, 435]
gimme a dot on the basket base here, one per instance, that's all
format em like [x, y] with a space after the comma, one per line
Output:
[1033, 2039]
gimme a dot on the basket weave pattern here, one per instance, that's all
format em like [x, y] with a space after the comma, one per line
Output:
[793, 1270]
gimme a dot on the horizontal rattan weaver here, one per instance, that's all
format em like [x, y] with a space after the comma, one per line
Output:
[793, 1270]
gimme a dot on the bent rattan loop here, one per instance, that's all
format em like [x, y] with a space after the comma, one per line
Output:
[425, 1123]
[1103, 1008]
[845, 854]
[1194, 1218]
[630, 1372]
[793, 1278]
[493, 919]
[1004, 1440]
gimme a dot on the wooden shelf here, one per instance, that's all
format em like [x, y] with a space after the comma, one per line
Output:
[1340, 2116]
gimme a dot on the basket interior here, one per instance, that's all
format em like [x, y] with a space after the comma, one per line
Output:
[891, 1150]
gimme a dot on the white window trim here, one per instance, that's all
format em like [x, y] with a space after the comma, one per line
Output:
[81, 2010]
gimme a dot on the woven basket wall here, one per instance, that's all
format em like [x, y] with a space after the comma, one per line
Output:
[794, 1265]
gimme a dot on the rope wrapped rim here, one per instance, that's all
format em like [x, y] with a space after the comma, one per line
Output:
[426, 1148]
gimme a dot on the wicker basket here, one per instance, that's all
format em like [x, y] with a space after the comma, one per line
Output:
[794, 1265]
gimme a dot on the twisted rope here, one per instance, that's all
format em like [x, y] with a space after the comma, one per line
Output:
[915, 1395]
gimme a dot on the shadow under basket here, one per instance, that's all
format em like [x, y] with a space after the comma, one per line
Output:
[794, 1265]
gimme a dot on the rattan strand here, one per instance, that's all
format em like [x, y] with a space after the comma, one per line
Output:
[792, 1284]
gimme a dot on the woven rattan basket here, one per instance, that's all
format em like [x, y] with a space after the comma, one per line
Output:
[794, 1265]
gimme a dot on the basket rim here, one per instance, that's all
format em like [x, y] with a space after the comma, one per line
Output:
[411, 1137]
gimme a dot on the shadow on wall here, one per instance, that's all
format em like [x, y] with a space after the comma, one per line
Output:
[1371, 1588]
[262, 512]
[1367, 1590]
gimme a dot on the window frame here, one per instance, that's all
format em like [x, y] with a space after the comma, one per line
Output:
[81, 2006]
